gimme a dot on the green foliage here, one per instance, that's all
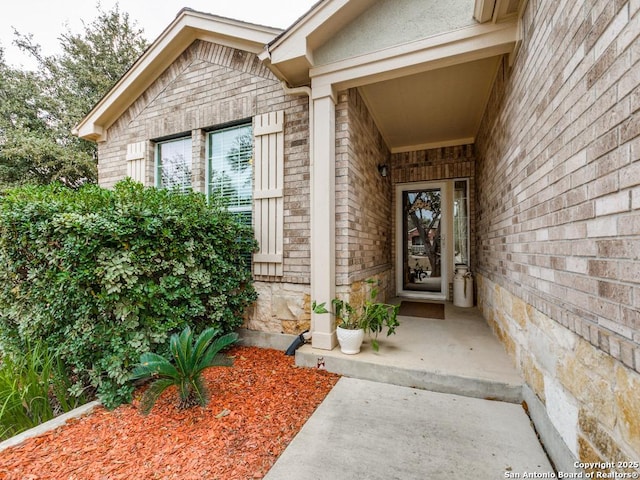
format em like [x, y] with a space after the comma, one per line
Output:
[38, 158]
[106, 275]
[33, 389]
[39, 109]
[190, 359]
[371, 316]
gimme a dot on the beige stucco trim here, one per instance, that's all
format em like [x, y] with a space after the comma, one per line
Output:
[452, 48]
[292, 53]
[314, 28]
[498, 10]
[483, 11]
[188, 26]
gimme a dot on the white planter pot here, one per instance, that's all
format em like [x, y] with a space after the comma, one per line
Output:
[350, 340]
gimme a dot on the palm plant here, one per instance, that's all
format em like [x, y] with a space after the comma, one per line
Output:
[191, 359]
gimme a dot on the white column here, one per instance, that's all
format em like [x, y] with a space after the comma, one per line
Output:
[323, 219]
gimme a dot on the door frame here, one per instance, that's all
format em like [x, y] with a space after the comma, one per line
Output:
[446, 190]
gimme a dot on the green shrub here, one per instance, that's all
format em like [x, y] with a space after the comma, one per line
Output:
[33, 389]
[106, 275]
[190, 359]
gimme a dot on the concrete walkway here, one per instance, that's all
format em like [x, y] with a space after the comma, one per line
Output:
[366, 430]
[374, 425]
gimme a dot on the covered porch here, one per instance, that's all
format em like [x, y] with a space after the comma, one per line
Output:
[394, 115]
[458, 354]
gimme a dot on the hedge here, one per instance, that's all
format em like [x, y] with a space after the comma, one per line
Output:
[105, 275]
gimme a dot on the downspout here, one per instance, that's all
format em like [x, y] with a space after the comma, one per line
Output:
[265, 57]
[305, 91]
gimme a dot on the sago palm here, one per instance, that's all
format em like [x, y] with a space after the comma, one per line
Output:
[190, 359]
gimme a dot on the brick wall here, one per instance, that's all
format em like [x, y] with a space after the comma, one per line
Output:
[558, 219]
[211, 85]
[207, 85]
[363, 197]
[365, 202]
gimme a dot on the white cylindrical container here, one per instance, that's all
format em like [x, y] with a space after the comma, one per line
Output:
[462, 286]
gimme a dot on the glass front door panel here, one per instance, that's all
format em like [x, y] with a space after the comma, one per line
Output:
[460, 223]
[422, 240]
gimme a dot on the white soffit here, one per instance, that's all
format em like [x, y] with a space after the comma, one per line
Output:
[431, 109]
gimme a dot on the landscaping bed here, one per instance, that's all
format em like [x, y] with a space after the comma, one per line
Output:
[257, 406]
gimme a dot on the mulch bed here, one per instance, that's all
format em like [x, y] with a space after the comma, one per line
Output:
[256, 408]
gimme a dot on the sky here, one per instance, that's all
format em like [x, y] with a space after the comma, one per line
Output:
[48, 19]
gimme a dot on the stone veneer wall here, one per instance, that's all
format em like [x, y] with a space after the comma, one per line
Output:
[211, 85]
[363, 199]
[558, 223]
[436, 164]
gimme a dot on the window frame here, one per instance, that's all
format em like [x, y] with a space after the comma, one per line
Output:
[208, 162]
[158, 163]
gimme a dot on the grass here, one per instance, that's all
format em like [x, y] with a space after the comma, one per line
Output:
[33, 389]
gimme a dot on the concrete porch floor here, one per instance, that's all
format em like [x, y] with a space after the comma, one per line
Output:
[458, 355]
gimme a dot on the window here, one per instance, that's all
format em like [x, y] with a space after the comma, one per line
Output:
[173, 164]
[230, 168]
[231, 172]
[461, 222]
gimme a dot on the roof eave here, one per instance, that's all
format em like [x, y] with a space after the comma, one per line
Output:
[187, 27]
[290, 54]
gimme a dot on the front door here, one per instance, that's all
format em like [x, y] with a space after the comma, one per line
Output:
[421, 255]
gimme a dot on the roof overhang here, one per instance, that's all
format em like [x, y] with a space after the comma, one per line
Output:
[457, 67]
[290, 55]
[422, 94]
[188, 26]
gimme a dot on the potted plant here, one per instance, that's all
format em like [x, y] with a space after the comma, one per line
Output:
[354, 322]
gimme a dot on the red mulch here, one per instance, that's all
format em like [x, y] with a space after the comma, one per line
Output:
[256, 408]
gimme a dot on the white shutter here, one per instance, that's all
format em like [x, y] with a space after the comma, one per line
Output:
[136, 153]
[268, 134]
